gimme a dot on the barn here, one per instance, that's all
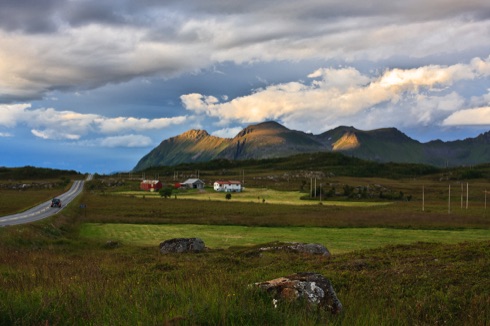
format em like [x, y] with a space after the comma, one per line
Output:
[150, 185]
[193, 184]
[228, 186]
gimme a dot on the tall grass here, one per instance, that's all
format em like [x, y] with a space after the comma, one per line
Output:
[86, 283]
[51, 275]
[110, 208]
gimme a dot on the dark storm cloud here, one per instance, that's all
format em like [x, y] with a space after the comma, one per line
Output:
[28, 15]
[84, 44]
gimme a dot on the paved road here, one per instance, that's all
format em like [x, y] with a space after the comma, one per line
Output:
[44, 210]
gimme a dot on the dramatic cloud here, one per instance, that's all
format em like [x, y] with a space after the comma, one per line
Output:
[312, 65]
[61, 45]
[68, 125]
[419, 95]
[472, 117]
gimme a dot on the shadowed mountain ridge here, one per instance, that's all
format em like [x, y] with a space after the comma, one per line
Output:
[271, 139]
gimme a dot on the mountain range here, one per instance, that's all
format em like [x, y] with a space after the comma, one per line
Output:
[271, 139]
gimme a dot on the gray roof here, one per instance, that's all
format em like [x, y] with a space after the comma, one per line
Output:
[192, 181]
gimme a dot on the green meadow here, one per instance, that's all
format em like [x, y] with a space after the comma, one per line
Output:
[397, 258]
[337, 240]
[256, 195]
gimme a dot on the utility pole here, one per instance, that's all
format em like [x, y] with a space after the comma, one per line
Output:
[311, 187]
[467, 192]
[423, 198]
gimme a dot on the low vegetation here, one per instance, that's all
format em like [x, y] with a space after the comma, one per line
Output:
[394, 261]
[339, 240]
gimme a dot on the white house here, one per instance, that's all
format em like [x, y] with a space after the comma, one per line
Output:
[228, 186]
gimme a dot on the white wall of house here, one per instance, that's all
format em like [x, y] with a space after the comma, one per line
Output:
[227, 186]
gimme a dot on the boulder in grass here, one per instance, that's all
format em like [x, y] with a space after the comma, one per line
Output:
[312, 287]
[180, 245]
[308, 248]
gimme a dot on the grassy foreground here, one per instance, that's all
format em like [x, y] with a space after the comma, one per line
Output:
[391, 264]
[52, 279]
[337, 240]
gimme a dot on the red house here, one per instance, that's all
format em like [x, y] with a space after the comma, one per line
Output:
[150, 185]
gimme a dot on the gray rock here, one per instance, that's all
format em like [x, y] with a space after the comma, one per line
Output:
[315, 288]
[180, 245]
[309, 248]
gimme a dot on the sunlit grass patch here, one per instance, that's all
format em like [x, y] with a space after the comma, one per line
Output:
[337, 240]
[256, 195]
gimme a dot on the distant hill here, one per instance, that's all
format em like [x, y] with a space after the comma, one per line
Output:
[35, 173]
[271, 140]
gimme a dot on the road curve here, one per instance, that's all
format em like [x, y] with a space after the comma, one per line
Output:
[44, 210]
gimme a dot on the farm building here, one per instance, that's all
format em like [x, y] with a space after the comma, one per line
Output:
[228, 186]
[150, 185]
[193, 184]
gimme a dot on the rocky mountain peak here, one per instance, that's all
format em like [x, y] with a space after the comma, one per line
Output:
[271, 139]
[194, 134]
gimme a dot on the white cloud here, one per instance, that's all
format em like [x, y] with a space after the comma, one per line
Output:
[481, 66]
[469, 117]
[53, 134]
[126, 141]
[131, 140]
[414, 96]
[6, 134]
[10, 114]
[114, 125]
[227, 132]
[48, 123]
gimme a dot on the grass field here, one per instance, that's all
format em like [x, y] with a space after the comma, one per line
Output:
[256, 195]
[337, 240]
[392, 263]
[14, 201]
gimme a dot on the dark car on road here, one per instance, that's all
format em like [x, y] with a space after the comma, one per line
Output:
[56, 202]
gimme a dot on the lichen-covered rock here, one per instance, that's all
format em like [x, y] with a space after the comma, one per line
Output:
[309, 248]
[180, 245]
[315, 288]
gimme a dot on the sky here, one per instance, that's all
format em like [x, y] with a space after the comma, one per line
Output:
[93, 86]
